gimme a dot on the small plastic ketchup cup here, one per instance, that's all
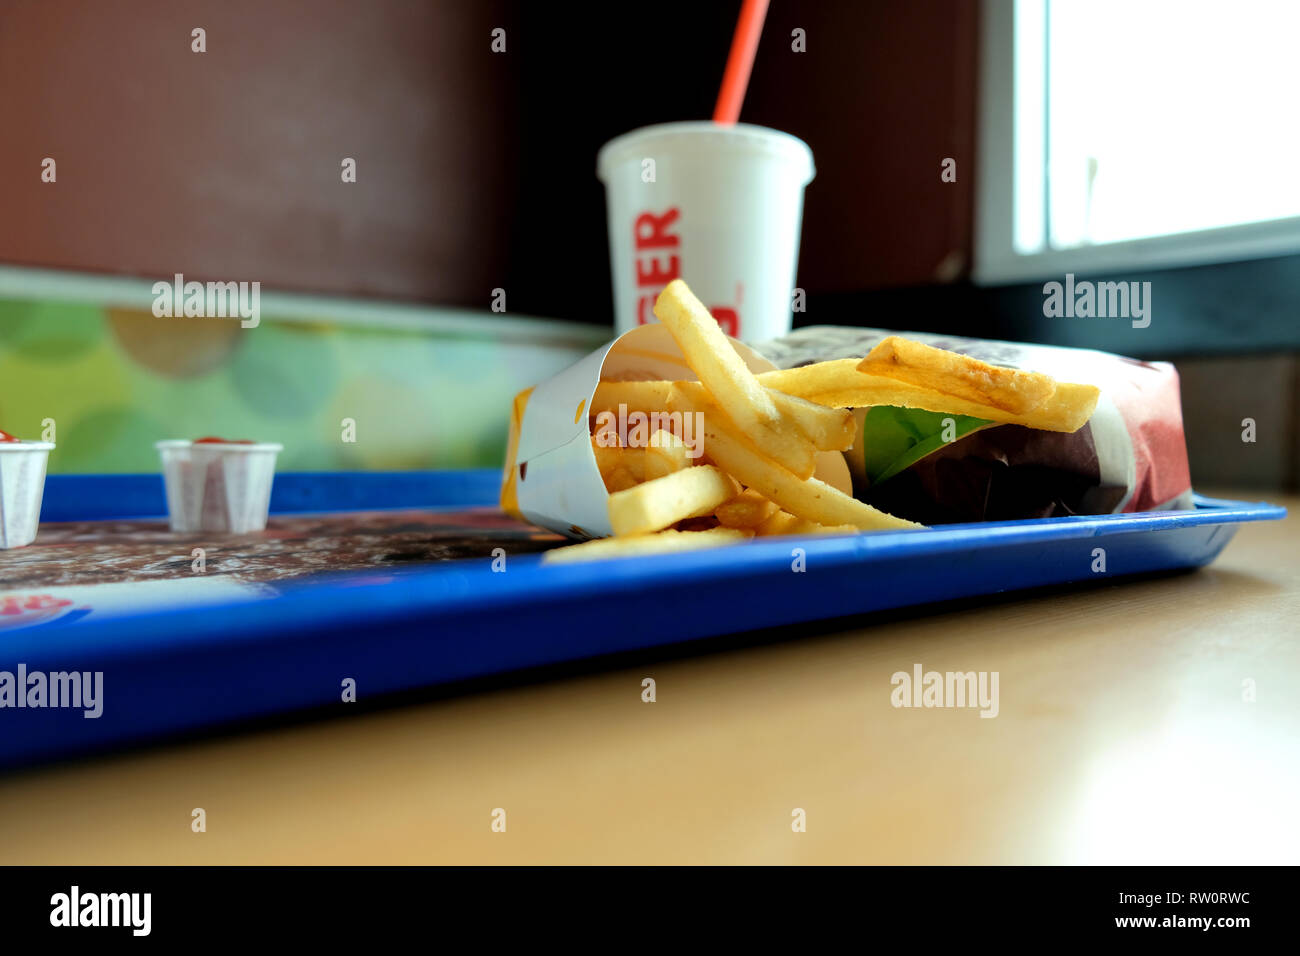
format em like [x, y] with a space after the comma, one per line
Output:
[215, 484]
[22, 485]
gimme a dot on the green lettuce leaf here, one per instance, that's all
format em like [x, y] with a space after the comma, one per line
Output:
[896, 438]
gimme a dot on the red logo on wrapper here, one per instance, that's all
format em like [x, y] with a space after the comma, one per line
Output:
[23, 610]
[656, 266]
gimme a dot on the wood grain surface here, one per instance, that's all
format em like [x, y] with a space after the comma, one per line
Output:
[1124, 735]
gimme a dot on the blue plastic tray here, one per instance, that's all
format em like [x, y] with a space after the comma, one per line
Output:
[174, 671]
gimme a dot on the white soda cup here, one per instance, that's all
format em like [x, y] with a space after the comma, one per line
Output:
[718, 206]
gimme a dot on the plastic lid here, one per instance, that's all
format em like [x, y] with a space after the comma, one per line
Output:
[704, 134]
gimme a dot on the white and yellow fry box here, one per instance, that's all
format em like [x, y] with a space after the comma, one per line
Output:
[22, 485]
[551, 479]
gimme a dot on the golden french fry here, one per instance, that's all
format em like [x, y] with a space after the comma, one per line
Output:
[665, 454]
[834, 432]
[778, 522]
[786, 445]
[635, 396]
[654, 505]
[610, 458]
[1067, 410]
[826, 428]
[809, 380]
[662, 542]
[1010, 389]
[748, 509]
[607, 457]
[803, 526]
[782, 522]
[688, 398]
[728, 380]
[651, 400]
[620, 479]
[808, 498]
[839, 384]
[795, 452]
[711, 356]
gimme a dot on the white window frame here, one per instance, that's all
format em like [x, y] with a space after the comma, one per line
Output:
[996, 259]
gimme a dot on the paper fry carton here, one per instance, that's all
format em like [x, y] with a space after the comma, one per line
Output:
[551, 479]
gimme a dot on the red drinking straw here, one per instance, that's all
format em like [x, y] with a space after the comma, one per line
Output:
[743, 47]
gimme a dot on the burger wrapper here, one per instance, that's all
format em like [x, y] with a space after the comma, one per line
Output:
[1130, 456]
[930, 467]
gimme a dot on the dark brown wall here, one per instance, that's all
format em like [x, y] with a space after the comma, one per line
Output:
[475, 170]
[885, 92]
[227, 163]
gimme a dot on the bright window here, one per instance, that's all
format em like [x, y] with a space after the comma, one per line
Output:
[1123, 133]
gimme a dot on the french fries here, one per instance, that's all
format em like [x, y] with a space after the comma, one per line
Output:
[826, 428]
[619, 479]
[808, 380]
[808, 498]
[803, 526]
[634, 396]
[666, 454]
[663, 542]
[748, 509]
[656, 504]
[729, 381]
[829, 429]
[839, 384]
[712, 358]
[1010, 389]
[782, 522]
[613, 458]
[777, 523]
[760, 435]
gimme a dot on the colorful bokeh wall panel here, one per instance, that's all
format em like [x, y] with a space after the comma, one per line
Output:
[114, 381]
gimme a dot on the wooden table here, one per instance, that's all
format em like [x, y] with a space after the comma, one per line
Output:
[1125, 733]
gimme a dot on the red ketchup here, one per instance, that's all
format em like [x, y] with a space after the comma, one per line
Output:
[223, 441]
[6, 437]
